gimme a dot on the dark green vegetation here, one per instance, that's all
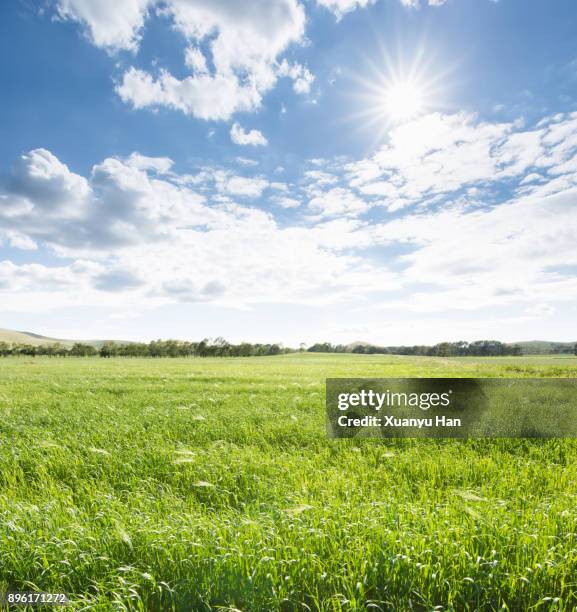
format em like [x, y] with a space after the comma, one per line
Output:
[16, 343]
[480, 348]
[540, 347]
[157, 348]
[204, 484]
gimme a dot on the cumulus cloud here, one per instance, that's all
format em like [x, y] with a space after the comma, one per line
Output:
[451, 213]
[337, 201]
[40, 176]
[341, 7]
[513, 252]
[110, 24]
[437, 155]
[253, 138]
[137, 233]
[225, 183]
[302, 77]
[245, 186]
[286, 202]
[237, 63]
[418, 3]
[162, 165]
[209, 97]
[16, 240]
[120, 203]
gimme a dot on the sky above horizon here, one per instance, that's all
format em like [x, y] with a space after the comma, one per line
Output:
[392, 171]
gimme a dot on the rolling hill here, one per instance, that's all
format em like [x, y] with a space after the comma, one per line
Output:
[23, 337]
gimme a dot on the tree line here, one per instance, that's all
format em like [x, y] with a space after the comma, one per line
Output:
[156, 348]
[221, 348]
[481, 348]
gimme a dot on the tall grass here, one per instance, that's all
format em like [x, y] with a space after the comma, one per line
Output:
[210, 484]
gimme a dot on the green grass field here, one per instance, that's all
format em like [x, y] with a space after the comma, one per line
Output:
[195, 484]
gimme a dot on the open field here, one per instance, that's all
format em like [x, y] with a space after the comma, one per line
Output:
[199, 484]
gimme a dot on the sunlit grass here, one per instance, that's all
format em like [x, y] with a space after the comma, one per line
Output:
[191, 484]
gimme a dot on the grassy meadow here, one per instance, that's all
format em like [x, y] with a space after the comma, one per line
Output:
[209, 484]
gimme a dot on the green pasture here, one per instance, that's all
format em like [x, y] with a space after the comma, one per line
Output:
[209, 484]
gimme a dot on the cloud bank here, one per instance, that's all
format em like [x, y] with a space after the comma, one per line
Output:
[451, 213]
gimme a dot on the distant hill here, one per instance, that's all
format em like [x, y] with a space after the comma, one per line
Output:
[23, 337]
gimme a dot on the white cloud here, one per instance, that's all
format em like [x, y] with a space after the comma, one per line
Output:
[111, 24]
[20, 241]
[162, 165]
[253, 138]
[139, 238]
[303, 82]
[286, 202]
[195, 60]
[302, 77]
[243, 41]
[340, 7]
[245, 161]
[512, 252]
[318, 178]
[494, 233]
[214, 97]
[41, 173]
[244, 186]
[337, 201]
[119, 204]
[438, 155]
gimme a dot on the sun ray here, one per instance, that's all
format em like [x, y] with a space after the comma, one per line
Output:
[393, 89]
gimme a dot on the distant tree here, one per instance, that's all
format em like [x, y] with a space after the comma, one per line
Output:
[82, 350]
[444, 349]
[321, 347]
[27, 349]
[203, 348]
[219, 347]
[245, 349]
[109, 349]
[274, 349]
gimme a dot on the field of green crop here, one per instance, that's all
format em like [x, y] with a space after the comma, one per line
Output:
[209, 484]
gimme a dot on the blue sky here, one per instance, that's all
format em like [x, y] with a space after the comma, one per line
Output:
[393, 171]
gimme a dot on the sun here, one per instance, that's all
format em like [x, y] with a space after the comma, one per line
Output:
[393, 89]
[403, 100]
